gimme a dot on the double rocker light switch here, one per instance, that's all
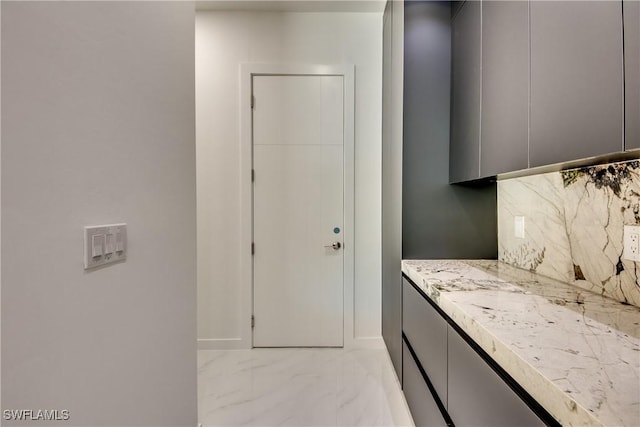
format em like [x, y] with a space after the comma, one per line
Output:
[104, 244]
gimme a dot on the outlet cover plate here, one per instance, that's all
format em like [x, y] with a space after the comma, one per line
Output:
[631, 240]
[518, 226]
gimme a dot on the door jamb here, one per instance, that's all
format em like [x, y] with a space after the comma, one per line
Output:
[247, 71]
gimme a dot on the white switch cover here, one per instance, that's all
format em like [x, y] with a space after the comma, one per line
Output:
[518, 226]
[104, 244]
[631, 250]
[109, 243]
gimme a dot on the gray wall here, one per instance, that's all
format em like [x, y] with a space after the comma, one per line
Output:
[98, 127]
[438, 220]
[392, 93]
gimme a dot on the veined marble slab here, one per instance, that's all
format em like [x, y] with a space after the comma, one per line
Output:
[574, 223]
[577, 353]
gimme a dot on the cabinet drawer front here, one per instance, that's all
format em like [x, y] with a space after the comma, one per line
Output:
[426, 330]
[477, 395]
[424, 409]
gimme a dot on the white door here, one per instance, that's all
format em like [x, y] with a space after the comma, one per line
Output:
[298, 211]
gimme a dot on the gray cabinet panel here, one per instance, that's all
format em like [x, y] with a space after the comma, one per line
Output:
[423, 407]
[576, 80]
[426, 330]
[465, 94]
[505, 87]
[391, 189]
[477, 395]
[631, 11]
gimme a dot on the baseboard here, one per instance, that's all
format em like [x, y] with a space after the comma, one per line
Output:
[366, 342]
[240, 344]
[222, 344]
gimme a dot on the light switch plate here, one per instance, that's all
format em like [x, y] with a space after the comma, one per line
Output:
[107, 242]
[631, 240]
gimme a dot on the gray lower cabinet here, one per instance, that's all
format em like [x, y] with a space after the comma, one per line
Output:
[423, 406]
[465, 93]
[477, 395]
[426, 330]
[576, 80]
[447, 382]
[505, 87]
[631, 13]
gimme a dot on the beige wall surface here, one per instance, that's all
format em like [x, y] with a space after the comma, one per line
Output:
[98, 127]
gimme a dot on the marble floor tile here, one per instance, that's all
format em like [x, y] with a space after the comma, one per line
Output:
[299, 387]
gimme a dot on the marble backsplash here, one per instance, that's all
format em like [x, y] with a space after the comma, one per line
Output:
[574, 226]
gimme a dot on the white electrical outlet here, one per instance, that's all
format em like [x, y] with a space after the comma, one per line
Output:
[518, 226]
[631, 240]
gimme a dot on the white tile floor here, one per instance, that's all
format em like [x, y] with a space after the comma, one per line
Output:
[299, 387]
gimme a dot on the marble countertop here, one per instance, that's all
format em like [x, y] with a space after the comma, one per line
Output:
[577, 353]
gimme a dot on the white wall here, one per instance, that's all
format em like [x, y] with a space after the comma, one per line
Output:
[98, 127]
[223, 41]
[0, 209]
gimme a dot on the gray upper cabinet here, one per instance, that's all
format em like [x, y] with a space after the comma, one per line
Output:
[631, 12]
[552, 82]
[505, 87]
[464, 161]
[576, 80]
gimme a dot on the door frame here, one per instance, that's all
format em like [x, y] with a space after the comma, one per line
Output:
[247, 71]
